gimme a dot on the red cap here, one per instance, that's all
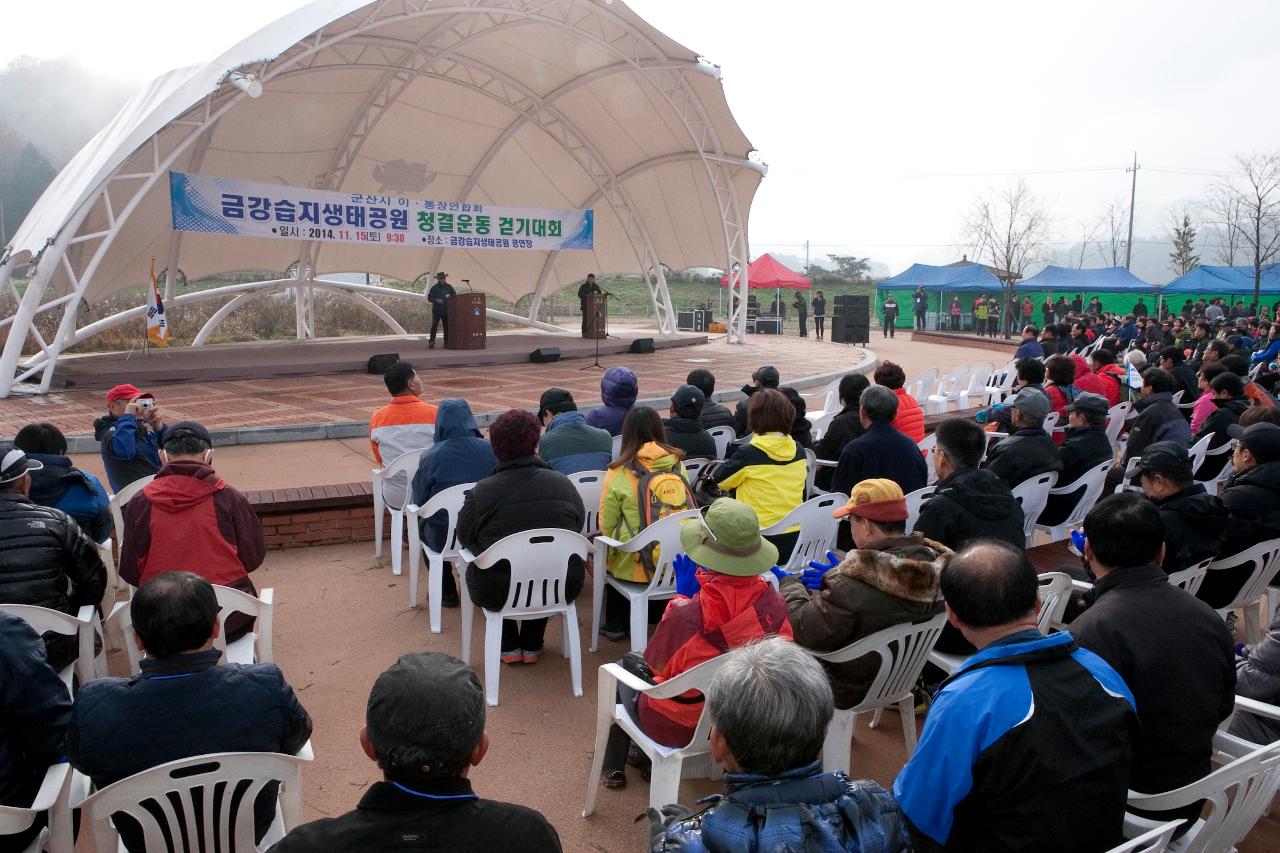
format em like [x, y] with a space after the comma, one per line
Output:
[126, 392]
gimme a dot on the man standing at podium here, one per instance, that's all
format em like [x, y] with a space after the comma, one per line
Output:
[588, 289]
[439, 295]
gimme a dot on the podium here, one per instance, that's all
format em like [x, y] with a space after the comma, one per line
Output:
[466, 312]
[597, 319]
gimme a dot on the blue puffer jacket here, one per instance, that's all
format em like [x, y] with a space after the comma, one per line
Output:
[459, 456]
[77, 493]
[803, 809]
[618, 390]
[35, 709]
[570, 445]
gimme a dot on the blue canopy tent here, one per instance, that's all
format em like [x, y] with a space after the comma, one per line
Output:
[1105, 280]
[1225, 281]
[967, 278]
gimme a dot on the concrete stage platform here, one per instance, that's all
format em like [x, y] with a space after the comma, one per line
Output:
[326, 356]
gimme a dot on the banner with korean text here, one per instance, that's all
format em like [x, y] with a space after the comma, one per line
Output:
[245, 209]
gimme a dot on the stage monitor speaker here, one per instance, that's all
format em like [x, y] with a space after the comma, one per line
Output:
[857, 333]
[838, 330]
[545, 355]
[642, 345]
[378, 364]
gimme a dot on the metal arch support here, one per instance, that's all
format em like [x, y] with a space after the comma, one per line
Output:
[222, 313]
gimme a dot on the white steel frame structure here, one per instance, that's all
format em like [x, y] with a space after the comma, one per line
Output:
[85, 235]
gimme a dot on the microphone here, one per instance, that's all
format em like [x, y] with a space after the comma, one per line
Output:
[467, 282]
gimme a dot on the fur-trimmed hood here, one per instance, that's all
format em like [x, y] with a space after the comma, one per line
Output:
[906, 567]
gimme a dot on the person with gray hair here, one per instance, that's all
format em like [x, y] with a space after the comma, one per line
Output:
[881, 452]
[769, 706]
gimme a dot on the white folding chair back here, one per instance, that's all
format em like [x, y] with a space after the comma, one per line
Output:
[817, 529]
[975, 390]
[255, 646]
[903, 651]
[922, 386]
[915, 500]
[1236, 796]
[1152, 841]
[51, 800]
[80, 626]
[1054, 592]
[616, 449]
[193, 796]
[664, 779]
[448, 501]
[1001, 383]
[589, 485]
[1211, 484]
[116, 505]
[1033, 493]
[539, 561]
[665, 533]
[392, 491]
[927, 446]
[694, 467]
[810, 471]
[1116, 417]
[1198, 451]
[1050, 423]
[949, 388]
[1191, 577]
[1265, 559]
[831, 396]
[1093, 482]
[1176, 399]
[723, 437]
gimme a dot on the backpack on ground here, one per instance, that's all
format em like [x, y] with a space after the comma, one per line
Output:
[658, 495]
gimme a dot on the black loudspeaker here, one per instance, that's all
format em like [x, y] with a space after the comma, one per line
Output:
[378, 364]
[642, 345]
[858, 333]
[838, 330]
[545, 355]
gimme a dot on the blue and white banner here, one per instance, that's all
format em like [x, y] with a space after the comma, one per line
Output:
[244, 209]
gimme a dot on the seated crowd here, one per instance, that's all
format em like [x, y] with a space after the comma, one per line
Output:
[1029, 733]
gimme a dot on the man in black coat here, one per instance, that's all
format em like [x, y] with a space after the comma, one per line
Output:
[684, 429]
[184, 702]
[1028, 450]
[843, 428]
[1252, 498]
[439, 295]
[588, 289]
[713, 414]
[522, 493]
[1158, 420]
[1173, 651]
[1086, 447]
[969, 502]
[1173, 361]
[1195, 521]
[881, 451]
[45, 559]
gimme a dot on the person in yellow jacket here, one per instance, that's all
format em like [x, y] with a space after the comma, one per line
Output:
[644, 446]
[769, 472]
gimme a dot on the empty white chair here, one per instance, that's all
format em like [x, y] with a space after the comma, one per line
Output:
[975, 390]
[50, 800]
[948, 391]
[928, 445]
[589, 485]
[80, 626]
[180, 796]
[694, 467]
[817, 529]
[665, 532]
[1001, 383]
[819, 425]
[392, 492]
[1265, 559]
[915, 500]
[116, 505]
[1033, 494]
[1055, 594]
[668, 761]
[1152, 841]
[1092, 481]
[922, 386]
[903, 651]
[539, 561]
[723, 437]
[449, 501]
[1116, 417]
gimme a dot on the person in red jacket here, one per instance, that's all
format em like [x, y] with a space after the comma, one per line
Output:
[189, 520]
[910, 418]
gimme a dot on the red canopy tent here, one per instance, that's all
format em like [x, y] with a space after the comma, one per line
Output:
[766, 271]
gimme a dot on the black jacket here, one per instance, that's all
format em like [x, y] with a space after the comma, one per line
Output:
[1175, 654]
[45, 560]
[715, 415]
[444, 291]
[1227, 413]
[1083, 449]
[35, 709]
[1024, 454]
[1195, 523]
[1252, 499]
[971, 504]
[521, 494]
[444, 816]
[691, 437]
[881, 451]
[1158, 420]
[183, 706]
[1186, 381]
[844, 428]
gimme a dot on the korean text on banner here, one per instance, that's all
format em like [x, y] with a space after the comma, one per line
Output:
[244, 209]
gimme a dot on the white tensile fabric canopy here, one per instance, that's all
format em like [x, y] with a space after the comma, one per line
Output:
[561, 104]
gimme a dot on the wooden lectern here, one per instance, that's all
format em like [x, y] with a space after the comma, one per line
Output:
[466, 321]
[597, 309]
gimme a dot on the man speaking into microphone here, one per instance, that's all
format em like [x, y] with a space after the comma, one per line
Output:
[439, 295]
[588, 289]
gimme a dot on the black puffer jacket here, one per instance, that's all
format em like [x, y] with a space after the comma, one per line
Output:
[1195, 523]
[844, 428]
[1083, 450]
[1023, 455]
[1227, 413]
[971, 504]
[1252, 499]
[521, 494]
[45, 560]
[690, 436]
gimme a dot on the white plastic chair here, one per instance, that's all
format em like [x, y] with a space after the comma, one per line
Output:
[975, 391]
[665, 532]
[1198, 451]
[185, 793]
[589, 485]
[817, 529]
[948, 391]
[1265, 559]
[1211, 484]
[903, 651]
[51, 800]
[448, 501]
[810, 472]
[694, 467]
[927, 446]
[1152, 841]
[1130, 473]
[1050, 423]
[668, 761]
[1055, 594]
[819, 425]
[1033, 494]
[723, 437]
[915, 500]
[80, 626]
[1236, 795]
[1191, 577]
[116, 505]
[1001, 383]
[253, 647]
[539, 561]
[1093, 482]
[392, 491]
[922, 386]
[1116, 417]
[616, 448]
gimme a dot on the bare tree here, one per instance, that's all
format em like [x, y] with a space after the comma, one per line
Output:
[1182, 233]
[1257, 192]
[1008, 230]
[1088, 234]
[1114, 224]
[1223, 212]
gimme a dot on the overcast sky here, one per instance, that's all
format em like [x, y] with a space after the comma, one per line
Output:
[880, 122]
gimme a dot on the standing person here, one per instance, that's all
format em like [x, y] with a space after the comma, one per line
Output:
[980, 312]
[1046, 310]
[955, 313]
[130, 433]
[439, 295]
[890, 316]
[993, 317]
[1061, 309]
[919, 304]
[618, 389]
[1077, 304]
[62, 485]
[588, 289]
[1140, 309]
[819, 314]
[802, 313]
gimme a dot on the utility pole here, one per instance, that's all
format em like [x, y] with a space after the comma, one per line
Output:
[1133, 195]
[806, 256]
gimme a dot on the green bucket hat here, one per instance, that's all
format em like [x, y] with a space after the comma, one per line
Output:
[729, 542]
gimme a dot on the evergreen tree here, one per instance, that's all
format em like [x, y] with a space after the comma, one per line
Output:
[1183, 258]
